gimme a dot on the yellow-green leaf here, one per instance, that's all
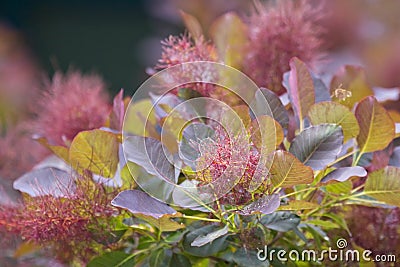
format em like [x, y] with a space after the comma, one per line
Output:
[140, 119]
[340, 187]
[350, 86]
[384, 185]
[331, 112]
[287, 170]
[229, 34]
[298, 205]
[267, 134]
[164, 224]
[96, 151]
[59, 151]
[377, 128]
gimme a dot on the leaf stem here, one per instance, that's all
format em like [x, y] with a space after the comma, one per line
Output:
[200, 218]
[342, 158]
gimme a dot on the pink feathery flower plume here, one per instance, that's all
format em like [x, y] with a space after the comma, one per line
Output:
[72, 103]
[73, 227]
[182, 49]
[278, 33]
[217, 157]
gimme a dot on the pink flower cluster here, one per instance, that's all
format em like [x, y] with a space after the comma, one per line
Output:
[72, 103]
[278, 33]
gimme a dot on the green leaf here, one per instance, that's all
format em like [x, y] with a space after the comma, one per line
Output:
[248, 258]
[377, 128]
[140, 119]
[340, 188]
[207, 250]
[164, 224]
[60, 151]
[323, 224]
[298, 205]
[335, 113]
[113, 259]
[384, 185]
[267, 134]
[96, 151]
[301, 88]
[287, 170]
[179, 260]
[344, 173]
[281, 221]
[268, 103]
[317, 146]
[229, 34]
[202, 240]
[160, 258]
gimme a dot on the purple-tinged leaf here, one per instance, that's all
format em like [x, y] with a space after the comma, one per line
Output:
[192, 136]
[301, 88]
[395, 158]
[276, 109]
[205, 239]
[150, 154]
[343, 174]
[118, 111]
[265, 205]
[139, 202]
[317, 146]
[281, 221]
[46, 181]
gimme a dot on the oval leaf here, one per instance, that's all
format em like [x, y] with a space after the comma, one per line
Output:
[301, 88]
[384, 185]
[113, 259]
[317, 146]
[276, 109]
[267, 134]
[96, 151]
[207, 250]
[229, 34]
[287, 171]
[281, 221]
[265, 205]
[205, 239]
[349, 86]
[149, 154]
[343, 174]
[376, 126]
[298, 205]
[139, 202]
[331, 112]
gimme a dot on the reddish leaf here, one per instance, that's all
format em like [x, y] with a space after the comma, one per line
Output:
[301, 88]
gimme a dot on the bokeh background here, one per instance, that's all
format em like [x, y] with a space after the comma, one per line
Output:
[116, 39]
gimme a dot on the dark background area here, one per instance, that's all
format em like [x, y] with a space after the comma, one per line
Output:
[116, 39]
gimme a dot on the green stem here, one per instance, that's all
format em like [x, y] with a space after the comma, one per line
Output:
[200, 218]
[342, 158]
